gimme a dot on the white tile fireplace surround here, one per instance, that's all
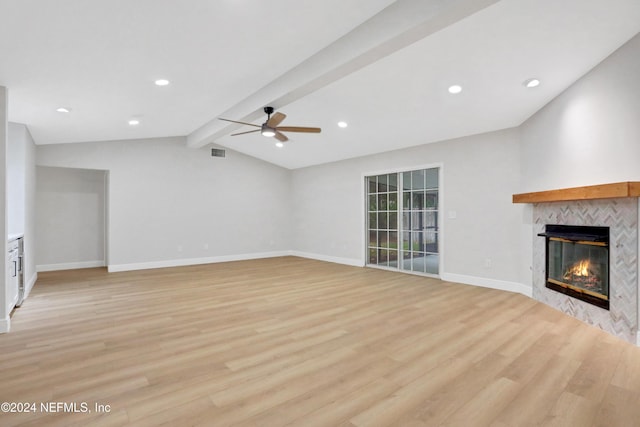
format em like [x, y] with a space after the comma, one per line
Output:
[611, 205]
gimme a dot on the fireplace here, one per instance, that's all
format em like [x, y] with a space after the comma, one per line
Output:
[577, 262]
[615, 206]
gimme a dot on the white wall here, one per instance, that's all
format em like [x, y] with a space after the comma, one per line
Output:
[590, 134]
[21, 194]
[481, 173]
[4, 313]
[30, 274]
[16, 177]
[172, 205]
[70, 218]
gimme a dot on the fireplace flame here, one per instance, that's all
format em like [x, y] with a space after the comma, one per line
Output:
[580, 268]
[583, 274]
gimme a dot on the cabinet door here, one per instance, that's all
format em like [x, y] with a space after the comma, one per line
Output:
[13, 282]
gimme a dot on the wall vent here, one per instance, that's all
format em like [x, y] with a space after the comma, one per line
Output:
[216, 152]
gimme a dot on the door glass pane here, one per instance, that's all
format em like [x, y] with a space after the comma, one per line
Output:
[373, 238]
[383, 220]
[406, 241]
[431, 200]
[393, 258]
[432, 178]
[373, 220]
[393, 182]
[373, 256]
[417, 180]
[383, 255]
[382, 183]
[406, 220]
[417, 200]
[418, 262]
[416, 221]
[393, 239]
[431, 264]
[430, 220]
[372, 184]
[384, 239]
[417, 239]
[373, 202]
[392, 202]
[393, 220]
[406, 181]
[431, 241]
[382, 202]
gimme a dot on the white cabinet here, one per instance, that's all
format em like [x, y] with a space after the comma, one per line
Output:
[14, 268]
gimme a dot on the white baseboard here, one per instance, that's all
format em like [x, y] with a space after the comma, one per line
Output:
[193, 261]
[346, 261]
[638, 339]
[489, 283]
[5, 325]
[70, 266]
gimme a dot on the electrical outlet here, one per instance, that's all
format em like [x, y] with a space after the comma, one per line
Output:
[487, 262]
[205, 246]
[179, 248]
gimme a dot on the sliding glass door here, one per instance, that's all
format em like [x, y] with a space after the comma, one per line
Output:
[402, 220]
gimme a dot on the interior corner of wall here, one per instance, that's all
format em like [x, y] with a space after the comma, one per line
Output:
[31, 283]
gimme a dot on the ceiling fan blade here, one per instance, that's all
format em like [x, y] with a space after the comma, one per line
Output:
[298, 129]
[242, 133]
[235, 121]
[280, 137]
[276, 119]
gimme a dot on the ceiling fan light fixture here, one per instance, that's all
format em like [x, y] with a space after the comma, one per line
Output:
[279, 144]
[455, 89]
[267, 131]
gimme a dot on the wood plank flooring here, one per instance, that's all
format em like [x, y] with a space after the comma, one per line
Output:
[296, 342]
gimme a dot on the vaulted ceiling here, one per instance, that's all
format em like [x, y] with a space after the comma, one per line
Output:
[382, 66]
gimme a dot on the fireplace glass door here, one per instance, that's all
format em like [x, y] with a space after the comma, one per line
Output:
[578, 265]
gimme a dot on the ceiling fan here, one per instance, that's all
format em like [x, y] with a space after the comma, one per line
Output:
[270, 128]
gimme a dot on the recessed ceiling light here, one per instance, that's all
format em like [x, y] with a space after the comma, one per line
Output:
[63, 110]
[134, 122]
[279, 144]
[531, 83]
[455, 89]
[161, 82]
[342, 124]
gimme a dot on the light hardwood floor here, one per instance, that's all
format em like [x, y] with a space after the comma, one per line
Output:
[290, 341]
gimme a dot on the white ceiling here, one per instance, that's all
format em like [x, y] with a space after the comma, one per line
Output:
[382, 66]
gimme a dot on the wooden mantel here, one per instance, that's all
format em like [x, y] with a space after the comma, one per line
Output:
[604, 191]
